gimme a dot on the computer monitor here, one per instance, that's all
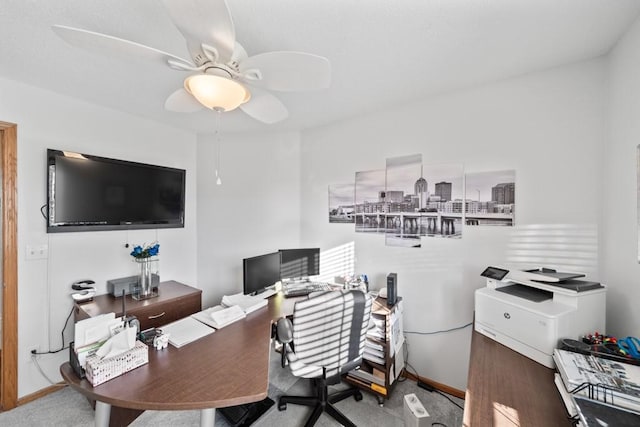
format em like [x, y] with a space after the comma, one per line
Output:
[299, 263]
[260, 271]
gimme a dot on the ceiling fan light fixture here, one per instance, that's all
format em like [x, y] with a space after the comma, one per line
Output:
[216, 92]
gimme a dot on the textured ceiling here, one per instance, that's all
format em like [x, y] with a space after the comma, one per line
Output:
[382, 52]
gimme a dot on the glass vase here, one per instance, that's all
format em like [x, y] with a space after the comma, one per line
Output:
[144, 289]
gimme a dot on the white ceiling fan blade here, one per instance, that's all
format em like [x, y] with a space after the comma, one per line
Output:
[182, 101]
[265, 107]
[204, 22]
[239, 54]
[113, 46]
[289, 71]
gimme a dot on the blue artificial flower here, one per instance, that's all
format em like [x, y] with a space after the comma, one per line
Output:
[137, 251]
[146, 252]
[153, 251]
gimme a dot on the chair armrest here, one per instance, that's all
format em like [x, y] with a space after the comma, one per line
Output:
[284, 331]
[284, 334]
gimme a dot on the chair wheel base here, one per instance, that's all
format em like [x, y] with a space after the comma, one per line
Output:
[282, 406]
[357, 396]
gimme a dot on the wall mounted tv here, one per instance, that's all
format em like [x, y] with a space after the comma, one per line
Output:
[91, 193]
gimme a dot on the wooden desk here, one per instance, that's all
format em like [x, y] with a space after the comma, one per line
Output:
[227, 368]
[505, 388]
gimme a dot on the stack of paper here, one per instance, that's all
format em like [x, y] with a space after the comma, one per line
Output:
[374, 349]
[219, 316]
[248, 303]
[90, 334]
[377, 328]
[186, 330]
[374, 352]
[609, 380]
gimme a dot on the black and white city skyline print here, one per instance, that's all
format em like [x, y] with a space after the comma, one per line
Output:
[490, 198]
[402, 220]
[341, 203]
[368, 209]
[408, 200]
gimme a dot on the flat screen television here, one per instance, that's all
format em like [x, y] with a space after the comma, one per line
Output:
[91, 193]
[299, 263]
[259, 272]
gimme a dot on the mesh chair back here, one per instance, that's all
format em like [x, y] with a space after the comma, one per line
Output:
[329, 332]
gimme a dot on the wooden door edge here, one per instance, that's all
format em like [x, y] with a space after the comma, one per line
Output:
[9, 363]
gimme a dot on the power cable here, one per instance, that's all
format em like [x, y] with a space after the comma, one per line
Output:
[34, 357]
[35, 352]
[439, 332]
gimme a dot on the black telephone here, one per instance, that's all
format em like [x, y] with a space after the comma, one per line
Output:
[82, 285]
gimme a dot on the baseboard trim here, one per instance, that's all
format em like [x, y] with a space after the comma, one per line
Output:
[41, 393]
[438, 386]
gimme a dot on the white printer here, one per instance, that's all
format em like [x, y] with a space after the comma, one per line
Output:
[530, 311]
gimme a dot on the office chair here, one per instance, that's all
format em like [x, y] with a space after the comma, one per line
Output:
[324, 341]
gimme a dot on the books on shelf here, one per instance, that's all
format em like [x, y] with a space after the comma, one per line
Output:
[374, 376]
[374, 352]
[218, 316]
[610, 381]
[368, 355]
[248, 303]
[381, 389]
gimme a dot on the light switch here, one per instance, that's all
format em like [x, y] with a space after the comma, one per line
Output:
[37, 251]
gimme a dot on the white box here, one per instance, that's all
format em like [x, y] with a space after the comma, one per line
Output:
[102, 370]
[414, 413]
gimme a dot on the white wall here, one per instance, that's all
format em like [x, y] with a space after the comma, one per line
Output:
[255, 211]
[47, 120]
[548, 126]
[620, 198]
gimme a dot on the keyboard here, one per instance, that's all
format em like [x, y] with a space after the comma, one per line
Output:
[305, 288]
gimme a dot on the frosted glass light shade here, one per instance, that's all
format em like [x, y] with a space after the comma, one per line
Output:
[217, 93]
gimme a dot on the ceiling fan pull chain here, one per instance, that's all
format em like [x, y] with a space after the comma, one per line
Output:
[218, 179]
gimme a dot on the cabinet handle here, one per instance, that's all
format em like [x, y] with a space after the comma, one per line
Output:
[156, 316]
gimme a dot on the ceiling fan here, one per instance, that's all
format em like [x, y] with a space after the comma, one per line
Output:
[222, 76]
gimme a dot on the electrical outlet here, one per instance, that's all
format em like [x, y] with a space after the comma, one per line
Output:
[33, 349]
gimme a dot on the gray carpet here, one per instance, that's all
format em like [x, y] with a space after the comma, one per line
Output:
[69, 408]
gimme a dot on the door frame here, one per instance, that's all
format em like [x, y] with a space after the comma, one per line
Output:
[9, 199]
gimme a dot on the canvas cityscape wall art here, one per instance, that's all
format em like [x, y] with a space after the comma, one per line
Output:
[402, 198]
[369, 206]
[341, 203]
[490, 198]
